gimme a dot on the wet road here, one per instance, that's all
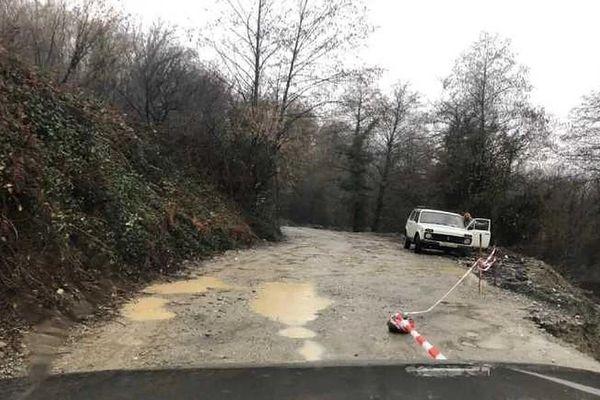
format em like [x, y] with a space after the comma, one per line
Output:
[320, 295]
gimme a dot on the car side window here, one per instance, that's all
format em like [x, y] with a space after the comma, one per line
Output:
[481, 225]
[417, 216]
[412, 215]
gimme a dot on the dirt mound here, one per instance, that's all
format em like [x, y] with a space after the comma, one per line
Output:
[89, 205]
[560, 308]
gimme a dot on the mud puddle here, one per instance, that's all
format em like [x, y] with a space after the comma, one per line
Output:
[297, 332]
[293, 304]
[311, 351]
[147, 309]
[191, 286]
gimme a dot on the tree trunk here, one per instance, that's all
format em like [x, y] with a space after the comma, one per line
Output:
[379, 205]
[382, 186]
[257, 54]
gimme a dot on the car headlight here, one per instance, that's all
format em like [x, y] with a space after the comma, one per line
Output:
[428, 235]
[467, 241]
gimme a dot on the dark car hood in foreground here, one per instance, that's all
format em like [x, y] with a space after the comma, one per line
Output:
[414, 381]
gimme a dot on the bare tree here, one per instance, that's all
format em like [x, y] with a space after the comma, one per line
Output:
[57, 36]
[248, 44]
[161, 75]
[109, 61]
[317, 33]
[48, 28]
[11, 18]
[36, 31]
[92, 21]
[393, 128]
[582, 140]
[284, 52]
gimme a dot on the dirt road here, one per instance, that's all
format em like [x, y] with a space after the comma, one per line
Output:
[320, 295]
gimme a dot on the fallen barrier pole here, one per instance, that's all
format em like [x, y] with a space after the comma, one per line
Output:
[400, 324]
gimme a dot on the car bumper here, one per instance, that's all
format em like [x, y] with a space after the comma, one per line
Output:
[434, 244]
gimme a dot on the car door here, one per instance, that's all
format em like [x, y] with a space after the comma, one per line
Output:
[480, 228]
[410, 225]
[415, 223]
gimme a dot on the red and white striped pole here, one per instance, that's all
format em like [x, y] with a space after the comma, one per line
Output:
[406, 325]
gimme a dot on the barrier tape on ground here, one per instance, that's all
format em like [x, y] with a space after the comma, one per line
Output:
[481, 264]
[403, 324]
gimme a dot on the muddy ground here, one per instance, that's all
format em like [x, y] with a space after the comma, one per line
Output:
[559, 307]
[319, 295]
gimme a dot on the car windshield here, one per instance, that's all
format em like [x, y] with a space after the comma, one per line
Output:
[430, 217]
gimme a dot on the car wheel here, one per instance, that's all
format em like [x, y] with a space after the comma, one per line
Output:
[406, 242]
[418, 247]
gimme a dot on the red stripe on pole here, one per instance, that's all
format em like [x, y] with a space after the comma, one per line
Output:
[406, 325]
[433, 352]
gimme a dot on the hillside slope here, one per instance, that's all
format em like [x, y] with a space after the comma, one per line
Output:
[88, 203]
[559, 307]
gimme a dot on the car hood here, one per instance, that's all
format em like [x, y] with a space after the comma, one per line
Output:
[446, 230]
[347, 382]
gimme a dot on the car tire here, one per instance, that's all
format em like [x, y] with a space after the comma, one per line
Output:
[406, 242]
[418, 247]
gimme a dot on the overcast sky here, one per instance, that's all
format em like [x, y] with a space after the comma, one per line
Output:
[418, 40]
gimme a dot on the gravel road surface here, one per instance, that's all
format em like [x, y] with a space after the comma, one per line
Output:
[319, 295]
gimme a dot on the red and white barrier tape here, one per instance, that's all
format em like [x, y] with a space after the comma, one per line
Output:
[484, 265]
[401, 324]
[481, 264]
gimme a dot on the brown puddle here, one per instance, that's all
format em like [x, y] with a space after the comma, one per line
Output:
[189, 286]
[292, 304]
[297, 332]
[311, 351]
[147, 309]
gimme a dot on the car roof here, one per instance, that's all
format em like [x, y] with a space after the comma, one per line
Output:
[437, 211]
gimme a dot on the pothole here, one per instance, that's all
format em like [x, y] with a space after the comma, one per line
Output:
[297, 332]
[147, 309]
[292, 304]
[190, 286]
[311, 351]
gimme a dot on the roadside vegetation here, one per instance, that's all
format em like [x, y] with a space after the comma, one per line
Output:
[87, 201]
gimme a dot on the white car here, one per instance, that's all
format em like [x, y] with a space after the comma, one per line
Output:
[426, 228]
